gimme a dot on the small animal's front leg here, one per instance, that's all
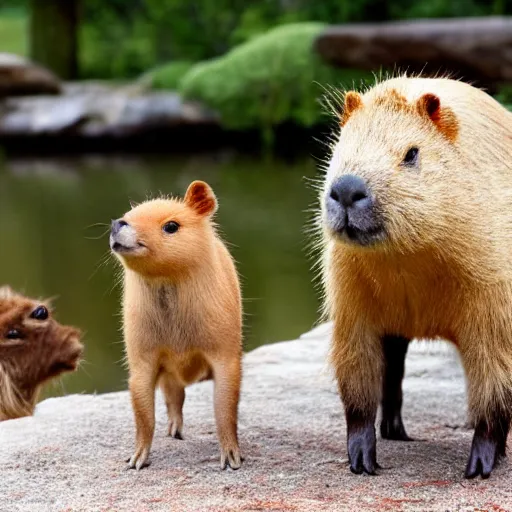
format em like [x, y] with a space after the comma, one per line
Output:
[227, 377]
[489, 443]
[174, 394]
[142, 391]
[394, 350]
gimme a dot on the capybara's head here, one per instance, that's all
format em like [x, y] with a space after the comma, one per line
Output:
[391, 169]
[164, 237]
[34, 348]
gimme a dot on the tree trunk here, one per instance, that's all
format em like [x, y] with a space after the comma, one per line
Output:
[54, 35]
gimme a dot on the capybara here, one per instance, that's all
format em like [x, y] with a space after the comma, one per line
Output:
[34, 348]
[181, 313]
[416, 218]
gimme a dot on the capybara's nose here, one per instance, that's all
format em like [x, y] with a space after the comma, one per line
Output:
[116, 226]
[349, 190]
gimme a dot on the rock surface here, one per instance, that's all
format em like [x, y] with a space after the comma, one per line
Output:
[70, 455]
[19, 76]
[477, 49]
[96, 110]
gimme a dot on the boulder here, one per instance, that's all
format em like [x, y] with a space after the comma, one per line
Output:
[96, 110]
[473, 49]
[19, 77]
[70, 456]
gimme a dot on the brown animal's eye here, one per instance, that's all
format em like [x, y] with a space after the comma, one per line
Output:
[411, 157]
[13, 334]
[40, 313]
[171, 227]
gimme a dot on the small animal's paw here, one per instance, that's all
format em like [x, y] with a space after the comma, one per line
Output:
[362, 451]
[230, 457]
[175, 428]
[482, 459]
[393, 429]
[139, 460]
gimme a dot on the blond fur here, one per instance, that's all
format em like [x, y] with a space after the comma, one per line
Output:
[182, 317]
[444, 270]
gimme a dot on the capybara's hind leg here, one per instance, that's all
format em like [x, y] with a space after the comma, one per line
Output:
[174, 394]
[395, 350]
[227, 376]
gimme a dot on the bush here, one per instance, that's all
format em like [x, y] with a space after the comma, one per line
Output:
[168, 76]
[273, 78]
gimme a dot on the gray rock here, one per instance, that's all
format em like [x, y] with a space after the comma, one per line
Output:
[70, 454]
[19, 76]
[96, 110]
[472, 48]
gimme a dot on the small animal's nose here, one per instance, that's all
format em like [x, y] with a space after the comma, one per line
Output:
[348, 190]
[116, 226]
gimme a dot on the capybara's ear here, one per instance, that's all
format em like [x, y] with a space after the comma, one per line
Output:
[6, 292]
[201, 198]
[352, 101]
[429, 105]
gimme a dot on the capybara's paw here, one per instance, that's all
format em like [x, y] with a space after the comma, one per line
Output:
[393, 429]
[483, 457]
[230, 457]
[362, 451]
[139, 460]
[175, 428]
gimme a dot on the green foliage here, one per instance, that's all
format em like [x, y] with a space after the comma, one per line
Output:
[13, 29]
[271, 79]
[168, 76]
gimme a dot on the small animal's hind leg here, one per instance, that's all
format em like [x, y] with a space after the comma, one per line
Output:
[174, 394]
[394, 350]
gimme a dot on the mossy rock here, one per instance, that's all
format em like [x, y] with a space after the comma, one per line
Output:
[167, 76]
[271, 79]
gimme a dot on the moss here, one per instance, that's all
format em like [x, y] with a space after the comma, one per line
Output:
[169, 75]
[271, 79]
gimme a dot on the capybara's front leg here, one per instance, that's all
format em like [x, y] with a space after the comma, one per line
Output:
[358, 364]
[395, 350]
[142, 390]
[227, 377]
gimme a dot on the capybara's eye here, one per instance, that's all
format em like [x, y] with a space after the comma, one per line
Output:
[411, 157]
[40, 313]
[13, 334]
[171, 227]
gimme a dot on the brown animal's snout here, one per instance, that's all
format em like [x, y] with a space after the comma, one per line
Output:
[67, 348]
[351, 210]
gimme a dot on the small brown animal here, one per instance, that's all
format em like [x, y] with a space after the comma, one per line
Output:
[417, 225]
[182, 314]
[34, 348]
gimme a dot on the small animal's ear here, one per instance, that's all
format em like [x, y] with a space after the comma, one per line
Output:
[6, 292]
[201, 198]
[352, 102]
[133, 204]
[429, 105]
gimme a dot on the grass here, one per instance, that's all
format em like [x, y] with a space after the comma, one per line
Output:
[13, 32]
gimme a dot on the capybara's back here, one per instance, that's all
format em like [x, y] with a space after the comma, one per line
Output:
[417, 224]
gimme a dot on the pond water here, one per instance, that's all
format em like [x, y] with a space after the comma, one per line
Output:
[52, 246]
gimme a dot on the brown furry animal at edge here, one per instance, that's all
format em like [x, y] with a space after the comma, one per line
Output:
[34, 348]
[182, 315]
[416, 223]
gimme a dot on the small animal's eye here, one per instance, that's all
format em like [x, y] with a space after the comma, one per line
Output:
[13, 334]
[411, 157]
[171, 227]
[40, 313]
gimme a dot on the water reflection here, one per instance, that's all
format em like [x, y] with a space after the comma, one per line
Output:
[51, 243]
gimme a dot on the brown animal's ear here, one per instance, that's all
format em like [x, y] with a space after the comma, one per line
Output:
[201, 198]
[429, 105]
[6, 292]
[352, 102]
